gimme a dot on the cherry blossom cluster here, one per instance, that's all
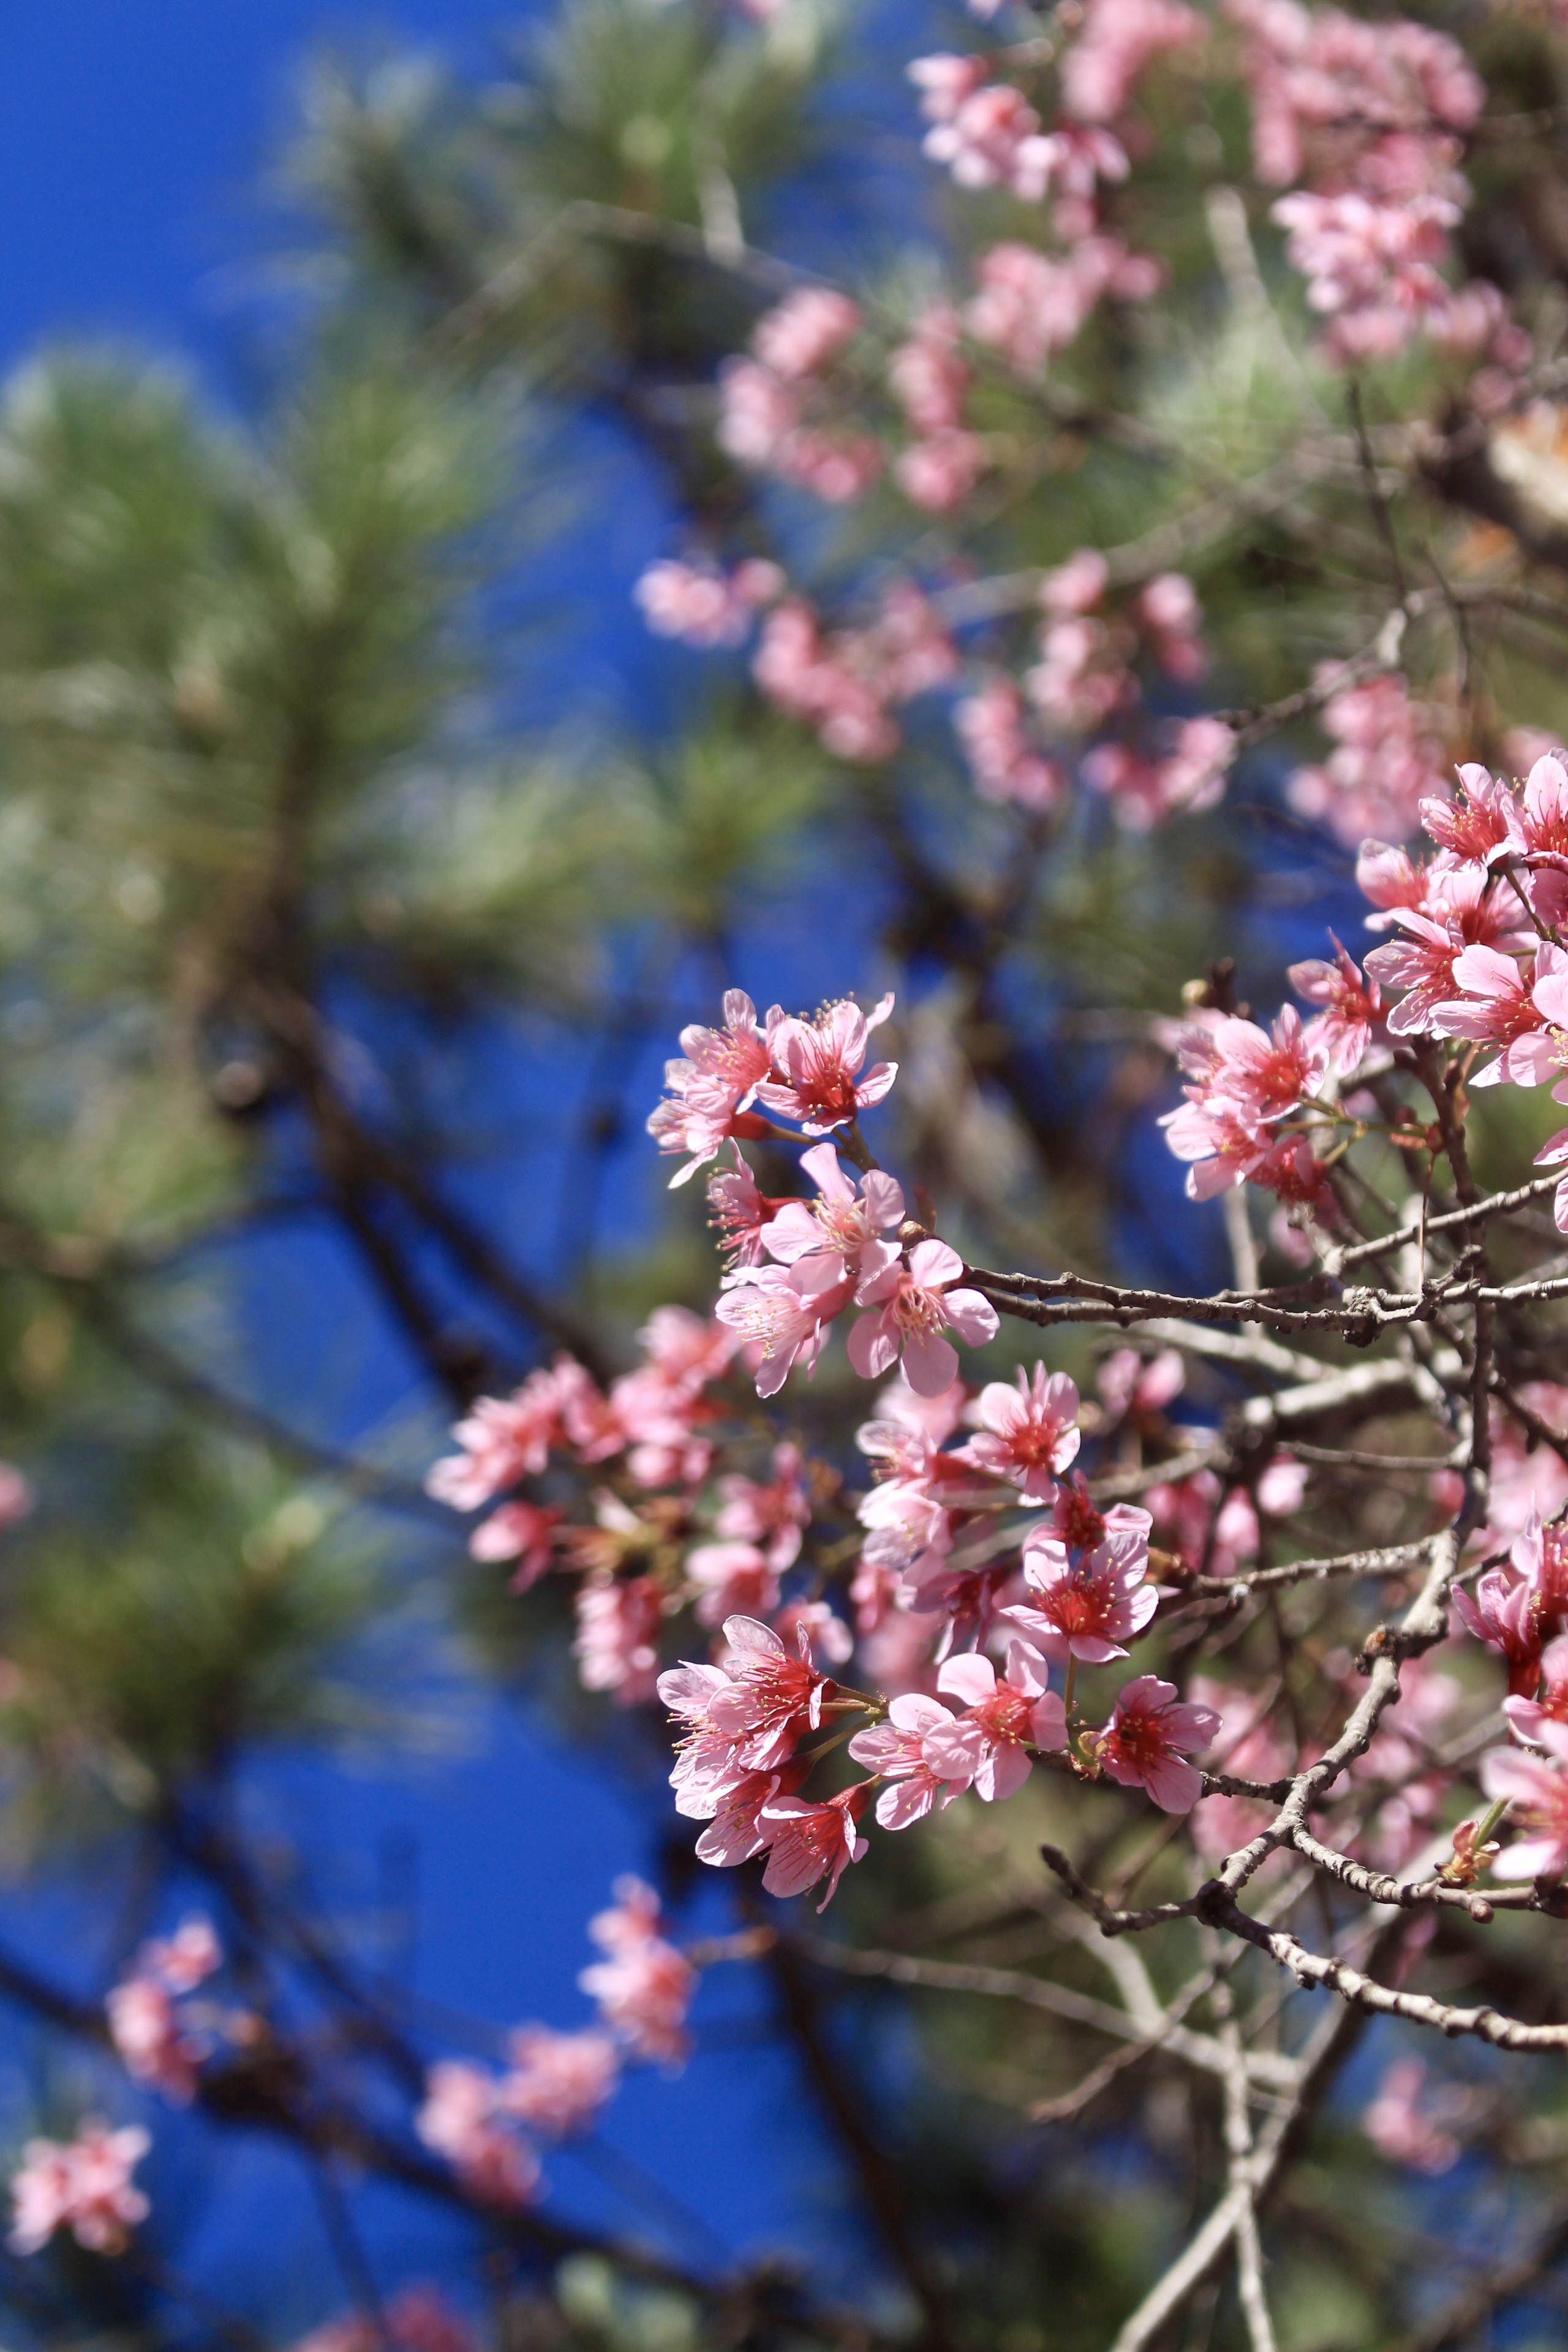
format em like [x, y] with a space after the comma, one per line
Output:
[1374, 116]
[780, 406]
[83, 2184]
[160, 2042]
[555, 2084]
[1471, 956]
[1085, 683]
[1389, 756]
[702, 605]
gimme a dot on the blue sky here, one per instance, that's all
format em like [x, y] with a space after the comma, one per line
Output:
[133, 133]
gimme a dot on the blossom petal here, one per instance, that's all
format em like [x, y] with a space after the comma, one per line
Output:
[931, 1363]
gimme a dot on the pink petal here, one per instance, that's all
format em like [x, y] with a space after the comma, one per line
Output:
[884, 1198]
[821, 1163]
[1532, 1858]
[878, 1273]
[1050, 1722]
[873, 1346]
[751, 1638]
[1174, 1784]
[1010, 1768]
[969, 1678]
[906, 1801]
[931, 1363]
[933, 1264]
[972, 1317]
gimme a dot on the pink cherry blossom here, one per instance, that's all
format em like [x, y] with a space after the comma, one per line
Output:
[617, 1644]
[644, 1986]
[803, 677]
[1536, 1790]
[700, 607]
[844, 685]
[905, 1511]
[1539, 822]
[1082, 677]
[686, 1350]
[1523, 1009]
[771, 1514]
[799, 335]
[820, 1061]
[1245, 1080]
[714, 1079]
[705, 1769]
[152, 2043]
[812, 1840]
[1352, 1007]
[895, 1752]
[783, 1313]
[1526, 1715]
[505, 1439]
[992, 137]
[1386, 875]
[735, 1577]
[1117, 42]
[185, 1960]
[740, 1211]
[1190, 776]
[1320, 70]
[1540, 1556]
[1479, 823]
[1141, 1744]
[840, 1219]
[83, 2184]
[1375, 268]
[557, 2082]
[989, 725]
[837, 466]
[1140, 1386]
[915, 1304]
[1504, 1613]
[1420, 956]
[735, 1831]
[824, 1629]
[758, 412]
[458, 2120]
[939, 470]
[1085, 1604]
[521, 1531]
[927, 375]
[1400, 2130]
[945, 82]
[1030, 306]
[1028, 1430]
[1168, 605]
[983, 1750]
[1246, 1743]
[770, 1697]
[1389, 759]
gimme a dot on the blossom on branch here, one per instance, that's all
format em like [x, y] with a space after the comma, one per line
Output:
[82, 2185]
[1143, 1743]
[915, 1305]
